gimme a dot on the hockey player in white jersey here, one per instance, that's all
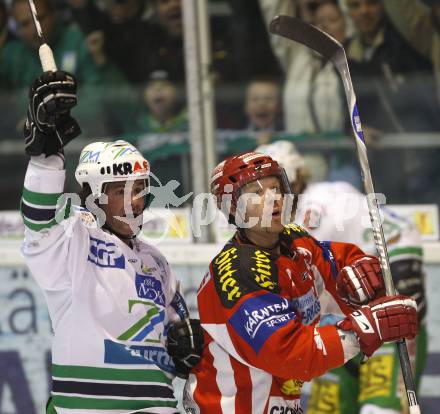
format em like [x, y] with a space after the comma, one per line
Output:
[121, 329]
[338, 211]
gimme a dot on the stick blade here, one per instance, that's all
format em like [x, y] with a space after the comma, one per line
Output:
[310, 36]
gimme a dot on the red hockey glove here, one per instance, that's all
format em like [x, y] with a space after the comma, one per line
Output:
[360, 282]
[384, 320]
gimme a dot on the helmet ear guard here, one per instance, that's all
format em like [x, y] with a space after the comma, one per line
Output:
[84, 193]
[149, 198]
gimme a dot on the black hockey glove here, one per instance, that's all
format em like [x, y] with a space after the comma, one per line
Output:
[49, 126]
[409, 280]
[185, 345]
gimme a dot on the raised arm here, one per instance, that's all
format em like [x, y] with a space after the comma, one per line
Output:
[284, 50]
[48, 128]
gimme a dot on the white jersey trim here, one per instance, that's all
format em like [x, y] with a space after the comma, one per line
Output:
[225, 383]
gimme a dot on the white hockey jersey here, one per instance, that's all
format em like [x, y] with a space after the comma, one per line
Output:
[338, 211]
[109, 304]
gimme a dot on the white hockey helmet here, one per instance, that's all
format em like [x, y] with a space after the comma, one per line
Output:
[104, 162]
[286, 154]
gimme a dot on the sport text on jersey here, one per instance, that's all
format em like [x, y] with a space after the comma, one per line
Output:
[258, 318]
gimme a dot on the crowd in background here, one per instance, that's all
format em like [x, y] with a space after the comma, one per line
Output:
[128, 58]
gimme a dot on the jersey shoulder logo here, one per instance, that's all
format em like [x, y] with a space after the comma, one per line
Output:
[238, 270]
[87, 219]
[293, 232]
[264, 270]
[105, 254]
[226, 272]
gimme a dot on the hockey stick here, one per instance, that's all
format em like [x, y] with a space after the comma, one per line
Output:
[319, 41]
[45, 52]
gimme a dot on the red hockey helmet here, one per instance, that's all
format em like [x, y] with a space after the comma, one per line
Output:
[240, 170]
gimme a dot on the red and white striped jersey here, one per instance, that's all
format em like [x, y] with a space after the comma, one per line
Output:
[260, 312]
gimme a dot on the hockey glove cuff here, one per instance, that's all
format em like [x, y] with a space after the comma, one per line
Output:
[185, 345]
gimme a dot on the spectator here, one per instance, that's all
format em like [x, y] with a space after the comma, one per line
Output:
[391, 78]
[166, 45]
[20, 59]
[7, 98]
[155, 121]
[140, 46]
[329, 18]
[123, 31]
[306, 10]
[313, 101]
[249, 56]
[396, 93]
[166, 48]
[263, 118]
[5, 35]
[161, 110]
[252, 52]
[420, 26]
[263, 105]
[20, 62]
[3, 24]
[169, 16]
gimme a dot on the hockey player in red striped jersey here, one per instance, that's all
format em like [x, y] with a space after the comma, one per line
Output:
[271, 303]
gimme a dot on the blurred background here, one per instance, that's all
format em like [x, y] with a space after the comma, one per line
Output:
[192, 81]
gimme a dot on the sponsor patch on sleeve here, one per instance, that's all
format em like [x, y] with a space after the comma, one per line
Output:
[260, 317]
[179, 305]
[307, 306]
